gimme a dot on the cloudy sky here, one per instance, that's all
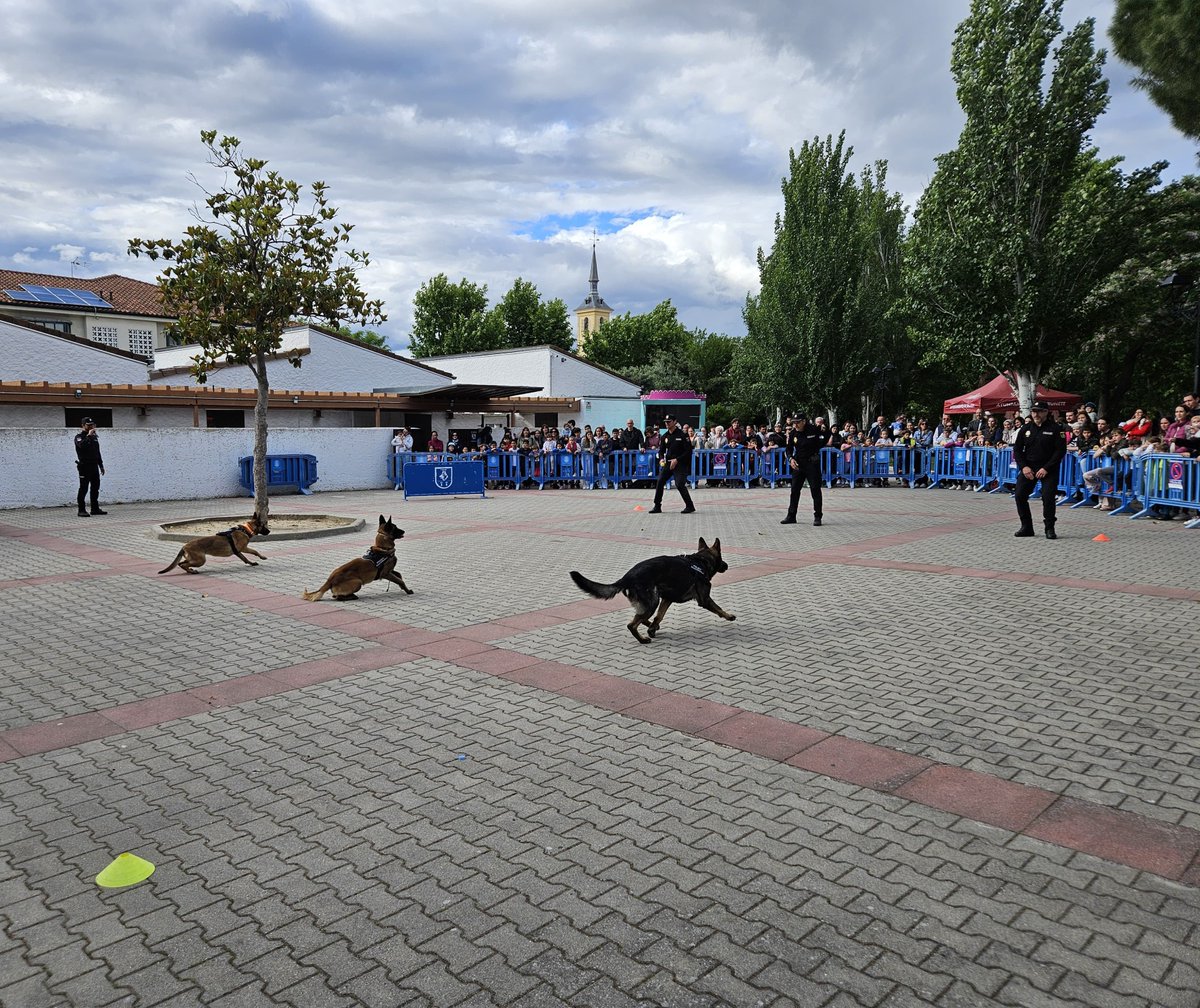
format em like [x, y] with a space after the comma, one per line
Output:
[485, 138]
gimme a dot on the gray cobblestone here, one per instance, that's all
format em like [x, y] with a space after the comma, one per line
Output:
[324, 847]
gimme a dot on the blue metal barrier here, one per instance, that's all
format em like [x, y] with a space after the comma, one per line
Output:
[299, 471]
[736, 465]
[504, 467]
[554, 467]
[904, 464]
[595, 471]
[773, 467]
[396, 460]
[962, 465]
[1122, 486]
[1171, 481]
[633, 466]
[834, 462]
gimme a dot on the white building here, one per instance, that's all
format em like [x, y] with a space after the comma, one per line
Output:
[112, 310]
[329, 362]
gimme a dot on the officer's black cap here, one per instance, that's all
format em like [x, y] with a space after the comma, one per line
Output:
[1039, 404]
[86, 420]
[669, 416]
[801, 415]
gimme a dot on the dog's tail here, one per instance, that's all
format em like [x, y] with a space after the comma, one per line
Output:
[174, 563]
[604, 591]
[313, 596]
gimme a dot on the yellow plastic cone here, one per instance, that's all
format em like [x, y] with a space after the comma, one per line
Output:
[124, 870]
[1101, 538]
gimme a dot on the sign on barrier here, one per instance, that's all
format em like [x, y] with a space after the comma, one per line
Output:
[444, 479]
[1169, 481]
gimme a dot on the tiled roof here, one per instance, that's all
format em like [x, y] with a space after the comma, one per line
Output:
[126, 295]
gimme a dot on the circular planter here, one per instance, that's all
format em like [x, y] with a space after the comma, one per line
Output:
[283, 526]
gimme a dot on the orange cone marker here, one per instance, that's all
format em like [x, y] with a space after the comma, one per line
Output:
[638, 507]
[1101, 538]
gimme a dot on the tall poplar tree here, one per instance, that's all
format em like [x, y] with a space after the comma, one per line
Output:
[1005, 247]
[820, 317]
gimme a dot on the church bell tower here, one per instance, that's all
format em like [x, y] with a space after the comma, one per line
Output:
[593, 313]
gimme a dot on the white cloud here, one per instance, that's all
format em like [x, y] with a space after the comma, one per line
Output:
[438, 127]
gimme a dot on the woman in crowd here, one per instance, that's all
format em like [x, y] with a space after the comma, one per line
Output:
[652, 438]
[435, 442]
[1137, 425]
[716, 439]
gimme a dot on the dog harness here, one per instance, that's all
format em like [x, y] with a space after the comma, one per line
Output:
[379, 557]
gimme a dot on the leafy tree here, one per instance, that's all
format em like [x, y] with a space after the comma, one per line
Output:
[529, 321]
[252, 264]
[452, 318]
[826, 285]
[628, 341]
[1141, 337]
[1162, 39]
[1005, 246]
[368, 336]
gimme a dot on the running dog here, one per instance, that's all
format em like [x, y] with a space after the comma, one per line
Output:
[233, 542]
[377, 564]
[661, 582]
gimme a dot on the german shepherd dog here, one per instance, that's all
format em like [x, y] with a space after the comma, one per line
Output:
[234, 542]
[661, 582]
[377, 564]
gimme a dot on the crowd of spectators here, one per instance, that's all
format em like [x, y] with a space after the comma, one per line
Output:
[1088, 434]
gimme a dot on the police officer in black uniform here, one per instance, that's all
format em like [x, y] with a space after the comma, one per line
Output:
[675, 462]
[1039, 448]
[803, 453]
[90, 465]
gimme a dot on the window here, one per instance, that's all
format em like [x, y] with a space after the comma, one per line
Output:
[75, 414]
[105, 334]
[141, 342]
[225, 418]
[585, 324]
[63, 327]
[545, 419]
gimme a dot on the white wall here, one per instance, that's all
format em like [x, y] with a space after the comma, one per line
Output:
[37, 466]
[31, 356]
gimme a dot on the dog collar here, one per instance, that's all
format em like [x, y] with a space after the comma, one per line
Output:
[246, 527]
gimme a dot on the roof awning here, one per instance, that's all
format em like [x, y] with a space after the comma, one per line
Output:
[473, 393]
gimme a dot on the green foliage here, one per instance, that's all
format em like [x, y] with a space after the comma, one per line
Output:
[528, 321]
[1162, 39]
[821, 316]
[627, 342]
[1140, 344]
[1006, 245]
[258, 260]
[453, 318]
[368, 336]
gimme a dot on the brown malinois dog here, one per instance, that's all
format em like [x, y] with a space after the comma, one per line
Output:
[377, 564]
[661, 582]
[233, 542]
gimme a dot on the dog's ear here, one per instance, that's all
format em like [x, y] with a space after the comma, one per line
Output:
[703, 544]
[382, 521]
[716, 546]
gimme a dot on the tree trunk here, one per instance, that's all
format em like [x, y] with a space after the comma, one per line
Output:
[1026, 389]
[261, 504]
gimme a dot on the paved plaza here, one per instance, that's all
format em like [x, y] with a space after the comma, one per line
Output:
[929, 764]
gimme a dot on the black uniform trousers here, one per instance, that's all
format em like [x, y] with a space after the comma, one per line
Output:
[1049, 497]
[665, 475]
[89, 480]
[810, 471]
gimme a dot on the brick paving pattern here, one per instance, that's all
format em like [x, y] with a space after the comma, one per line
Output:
[928, 765]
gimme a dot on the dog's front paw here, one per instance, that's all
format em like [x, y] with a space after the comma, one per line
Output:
[253, 563]
[731, 617]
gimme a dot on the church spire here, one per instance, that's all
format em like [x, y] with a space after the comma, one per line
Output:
[594, 312]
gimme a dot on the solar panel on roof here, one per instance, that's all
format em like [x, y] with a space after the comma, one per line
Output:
[57, 295]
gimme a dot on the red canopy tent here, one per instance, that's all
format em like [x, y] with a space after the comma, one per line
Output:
[997, 396]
